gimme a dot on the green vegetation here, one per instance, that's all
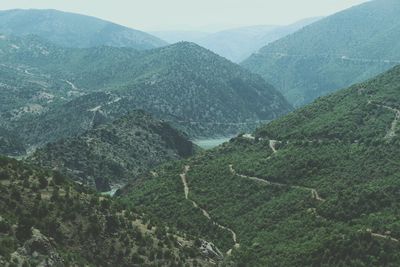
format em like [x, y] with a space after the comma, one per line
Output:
[195, 90]
[116, 152]
[46, 220]
[336, 52]
[74, 30]
[10, 143]
[328, 196]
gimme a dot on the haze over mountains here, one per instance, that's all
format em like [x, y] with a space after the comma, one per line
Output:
[73, 30]
[87, 106]
[335, 52]
[235, 44]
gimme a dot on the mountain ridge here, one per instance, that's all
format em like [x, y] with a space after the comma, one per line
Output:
[74, 30]
[114, 153]
[238, 43]
[183, 84]
[310, 63]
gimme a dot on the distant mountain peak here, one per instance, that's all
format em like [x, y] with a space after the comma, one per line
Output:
[74, 30]
[342, 49]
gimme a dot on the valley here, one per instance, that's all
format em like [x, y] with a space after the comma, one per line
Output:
[251, 146]
[191, 97]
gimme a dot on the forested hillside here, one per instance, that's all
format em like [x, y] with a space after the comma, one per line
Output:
[318, 187]
[236, 44]
[189, 86]
[46, 220]
[114, 153]
[73, 30]
[338, 51]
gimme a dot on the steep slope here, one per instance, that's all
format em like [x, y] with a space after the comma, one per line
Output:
[239, 43]
[114, 153]
[10, 144]
[318, 187]
[46, 220]
[74, 30]
[194, 89]
[348, 47]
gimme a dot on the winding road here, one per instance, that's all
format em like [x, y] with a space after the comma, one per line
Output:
[392, 131]
[384, 236]
[205, 213]
[340, 57]
[272, 145]
[314, 192]
[73, 87]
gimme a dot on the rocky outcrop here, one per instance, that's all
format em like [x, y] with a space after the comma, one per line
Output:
[39, 250]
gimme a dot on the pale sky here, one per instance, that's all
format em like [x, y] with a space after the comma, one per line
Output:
[206, 15]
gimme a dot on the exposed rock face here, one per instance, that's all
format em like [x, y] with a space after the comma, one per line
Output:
[38, 249]
[209, 250]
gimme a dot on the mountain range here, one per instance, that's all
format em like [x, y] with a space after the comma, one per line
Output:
[60, 91]
[98, 120]
[235, 44]
[73, 30]
[332, 53]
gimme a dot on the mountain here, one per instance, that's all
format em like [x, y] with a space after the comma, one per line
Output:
[345, 48]
[318, 187]
[239, 43]
[47, 220]
[190, 87]
[114, 153]
[74, 30]
[173, 37]
[10, 144]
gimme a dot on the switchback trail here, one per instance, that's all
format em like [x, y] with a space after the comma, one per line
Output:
[314, 192]
[205, 213]
[392, 131]
[272, 144]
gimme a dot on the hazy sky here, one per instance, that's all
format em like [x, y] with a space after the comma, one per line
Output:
[191, 14]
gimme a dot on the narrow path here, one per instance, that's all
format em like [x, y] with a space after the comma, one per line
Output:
[223, 123]
[392, 131]
[314, 192]
[73, 87]
[205, 213]
[256, 179]
[384, 236]
[341, 57]
[272, 144]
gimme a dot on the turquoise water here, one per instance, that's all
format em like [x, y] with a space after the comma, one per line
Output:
[211, 143]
